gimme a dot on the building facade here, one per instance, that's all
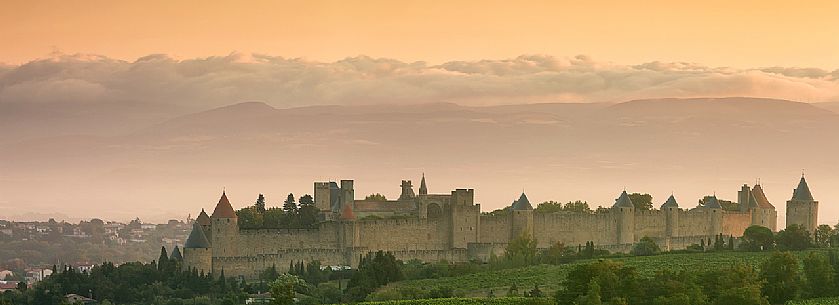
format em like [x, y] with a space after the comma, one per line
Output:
[433, 227]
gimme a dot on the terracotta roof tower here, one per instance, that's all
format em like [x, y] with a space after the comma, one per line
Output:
[223, 208]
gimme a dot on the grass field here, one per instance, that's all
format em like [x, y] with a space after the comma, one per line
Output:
[823, 301]
[549, 277]
[466, 301]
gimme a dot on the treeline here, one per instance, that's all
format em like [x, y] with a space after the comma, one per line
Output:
[159, 282]
[778, 280]
[290, 215]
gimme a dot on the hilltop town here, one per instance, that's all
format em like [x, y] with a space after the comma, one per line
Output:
[451, 227]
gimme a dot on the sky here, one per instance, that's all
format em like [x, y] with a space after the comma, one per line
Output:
[741, 34]
[91, 75]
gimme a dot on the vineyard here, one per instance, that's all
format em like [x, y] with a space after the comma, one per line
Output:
[549, 277]
[468, 301]
[824, 301]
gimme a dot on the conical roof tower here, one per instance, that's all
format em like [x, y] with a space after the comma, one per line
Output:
[802, 192]
[523, 203]
[196, 238]
[670, 203]
[623, 201]
[223, 208]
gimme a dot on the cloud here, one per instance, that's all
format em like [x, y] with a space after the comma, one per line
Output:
[203, 83]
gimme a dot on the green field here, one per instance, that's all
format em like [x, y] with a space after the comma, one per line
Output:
[466, 301]
[549, 277]
[824, 301]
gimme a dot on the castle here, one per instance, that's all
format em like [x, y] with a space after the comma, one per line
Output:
[433, 227]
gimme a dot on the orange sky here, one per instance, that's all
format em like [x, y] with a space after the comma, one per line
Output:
[718, 33]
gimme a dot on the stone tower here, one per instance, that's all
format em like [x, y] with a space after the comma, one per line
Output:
[522, 212]
[764, 214]
[407, 191]
[224, 228]
[625, 214]
[197, 251]
[671, 217]
[715, 211]
[204, 221]
[802, 209]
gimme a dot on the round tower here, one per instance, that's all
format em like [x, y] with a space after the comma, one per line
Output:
[671, 215]
[522, 214]
[802, 209]
[224, 228]
[714, 210]
[624, 211]
[197, 252]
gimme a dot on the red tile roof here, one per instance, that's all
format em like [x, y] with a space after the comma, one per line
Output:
[223, 208]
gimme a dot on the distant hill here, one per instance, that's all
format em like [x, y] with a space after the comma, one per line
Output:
[561, 151]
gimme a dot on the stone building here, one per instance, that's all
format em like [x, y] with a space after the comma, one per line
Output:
[450, 226]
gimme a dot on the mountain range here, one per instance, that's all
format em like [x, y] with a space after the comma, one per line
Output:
[162, 163]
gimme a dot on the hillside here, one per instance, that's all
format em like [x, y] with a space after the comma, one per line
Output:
[556, 151]
[549, 277]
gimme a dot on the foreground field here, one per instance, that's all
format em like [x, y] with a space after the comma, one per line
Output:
[549, 277]
[467, 301]
[823, 301]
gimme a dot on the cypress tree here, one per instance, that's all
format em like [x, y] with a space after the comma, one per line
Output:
[162, 262]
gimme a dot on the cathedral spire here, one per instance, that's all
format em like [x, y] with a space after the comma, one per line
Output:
[423, 190]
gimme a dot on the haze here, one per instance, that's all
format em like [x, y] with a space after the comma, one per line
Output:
[117, 110]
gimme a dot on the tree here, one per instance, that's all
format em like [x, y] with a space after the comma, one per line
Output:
[163, 260]
[577, 206]
[282, 289]
[819, 275]
[521, 251]
[823, 236]
[757, 238]
[376, 197]
[374, 270]
[645, 246]
[308, 212]
[614, 280]
[548, 207]
[249, 218]
[306, 200]
[736, 285]
[556, 254]
[593, 294]
[289, 205]
[781, 278]
[641, 201]
[273, 218]
[260, 204]
[794, 237]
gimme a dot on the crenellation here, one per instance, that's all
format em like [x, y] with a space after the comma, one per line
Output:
[431, 227]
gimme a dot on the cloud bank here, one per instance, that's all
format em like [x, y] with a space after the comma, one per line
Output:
[197, 84]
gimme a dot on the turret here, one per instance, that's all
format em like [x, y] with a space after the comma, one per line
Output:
[764, 214]
[624, 210]
[671, 214]
[224, 228]
[714, 209]
[522, 213]
[204, 221]
[802, 209]
[197, 251]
